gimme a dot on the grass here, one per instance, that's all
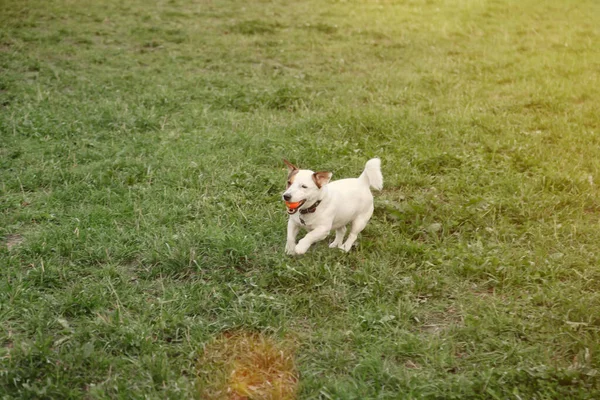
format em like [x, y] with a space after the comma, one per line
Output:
[242, 365]
[140, 181]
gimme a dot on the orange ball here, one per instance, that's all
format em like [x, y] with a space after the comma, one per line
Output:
[291, 205]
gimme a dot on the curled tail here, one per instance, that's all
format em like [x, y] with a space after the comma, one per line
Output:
[372, 174]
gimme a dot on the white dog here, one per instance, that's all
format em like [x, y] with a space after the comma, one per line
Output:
[320, 206]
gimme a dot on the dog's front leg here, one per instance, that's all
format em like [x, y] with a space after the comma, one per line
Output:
[292, 232]
[315, 235]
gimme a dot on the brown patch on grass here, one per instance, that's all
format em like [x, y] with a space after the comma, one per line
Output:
[13, 240]
[484, 292]
[437, 322]
[412, 365]
[242, 365]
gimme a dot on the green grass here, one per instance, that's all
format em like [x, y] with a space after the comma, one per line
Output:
[140, 181]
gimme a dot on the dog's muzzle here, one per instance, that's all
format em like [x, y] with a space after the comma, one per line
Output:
[295, 208]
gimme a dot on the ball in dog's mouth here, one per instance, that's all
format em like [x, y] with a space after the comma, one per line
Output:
[292, 207]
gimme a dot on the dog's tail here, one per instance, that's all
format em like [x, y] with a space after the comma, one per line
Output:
[372, 174]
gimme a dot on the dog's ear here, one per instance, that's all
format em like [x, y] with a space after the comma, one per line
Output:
[321, 178]
[291, 167]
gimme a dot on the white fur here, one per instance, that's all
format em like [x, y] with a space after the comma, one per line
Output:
[342, 202]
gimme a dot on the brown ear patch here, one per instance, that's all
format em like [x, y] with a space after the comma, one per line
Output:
[291, 177]
[292, 171]
[291, 167]
[321, 178]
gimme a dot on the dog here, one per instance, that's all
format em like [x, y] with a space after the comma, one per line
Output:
[318, 205]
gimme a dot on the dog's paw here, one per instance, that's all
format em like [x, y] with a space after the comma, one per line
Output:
[290, 249]
[300, 249]
[333, 245]
[345, 247]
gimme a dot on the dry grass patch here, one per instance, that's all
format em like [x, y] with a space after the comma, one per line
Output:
[242, 365]
[436, 322]
[13, 240]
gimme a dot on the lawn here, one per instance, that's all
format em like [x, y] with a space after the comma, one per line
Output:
[142, 230]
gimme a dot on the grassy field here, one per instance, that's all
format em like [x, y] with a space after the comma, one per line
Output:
[142, 232]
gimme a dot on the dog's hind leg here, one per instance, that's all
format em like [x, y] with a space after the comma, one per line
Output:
[357, 226]
[339, 237]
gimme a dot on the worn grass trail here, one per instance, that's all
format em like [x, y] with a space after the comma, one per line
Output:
[140, 180]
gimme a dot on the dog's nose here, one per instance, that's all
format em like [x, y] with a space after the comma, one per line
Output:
[287, 197]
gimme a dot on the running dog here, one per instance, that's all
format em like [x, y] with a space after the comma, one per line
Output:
[318, 205]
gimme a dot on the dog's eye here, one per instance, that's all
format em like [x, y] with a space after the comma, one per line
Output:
[304, 187]
[289, 183]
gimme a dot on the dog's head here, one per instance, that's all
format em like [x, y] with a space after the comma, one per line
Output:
[303, 187]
